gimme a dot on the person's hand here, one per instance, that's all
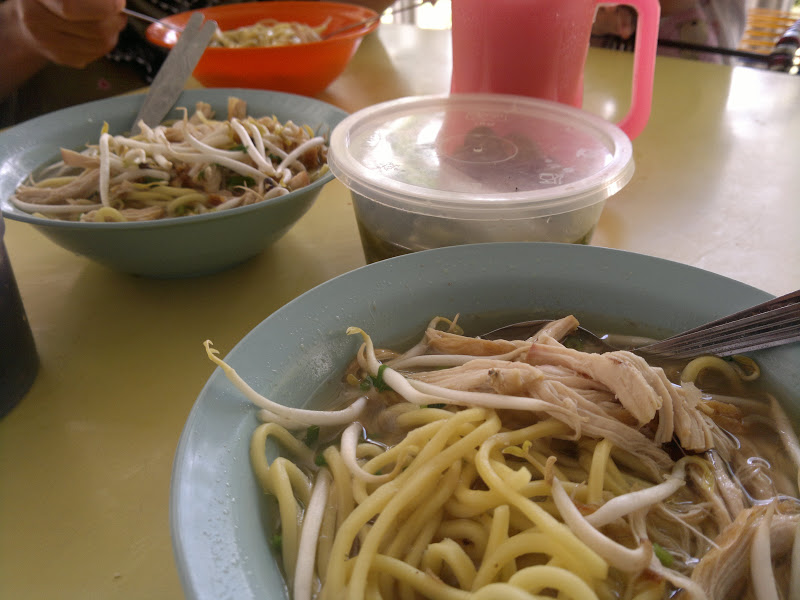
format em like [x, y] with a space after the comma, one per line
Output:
[71, 32]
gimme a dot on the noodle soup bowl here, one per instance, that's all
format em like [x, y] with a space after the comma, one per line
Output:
[222, 523]
[305, 69]
[184, 246]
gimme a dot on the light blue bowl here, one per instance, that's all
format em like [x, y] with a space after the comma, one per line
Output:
[177, 247]
[222, 522]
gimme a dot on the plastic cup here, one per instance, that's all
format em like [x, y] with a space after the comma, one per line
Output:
[538, 48]
[19, 361]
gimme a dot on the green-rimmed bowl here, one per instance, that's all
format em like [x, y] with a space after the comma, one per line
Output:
[176, 247]
[222, 522]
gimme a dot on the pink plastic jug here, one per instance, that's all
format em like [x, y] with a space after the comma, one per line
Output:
[538, 48]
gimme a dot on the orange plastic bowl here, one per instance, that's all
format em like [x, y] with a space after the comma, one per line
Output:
[304, 69]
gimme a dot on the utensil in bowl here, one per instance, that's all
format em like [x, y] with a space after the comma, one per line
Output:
[305, 69]
[175, 247]
[174, 72]
[766, 325]
[221, 523]
[374, 19]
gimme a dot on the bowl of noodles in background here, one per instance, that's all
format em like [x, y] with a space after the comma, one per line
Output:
[298, 61]
[179, 243]
[407, 528]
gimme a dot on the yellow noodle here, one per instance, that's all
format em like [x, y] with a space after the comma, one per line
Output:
[540, 577]
[493, 591]
[597, 474]
[415, 552]
[449, 553]
[108, 214]
[431, 503]
[415, 418]
[692, 371]
[422, 474]
[468, 530]
[429, 587]
[342, 483]
[592, 564]
[326, 534]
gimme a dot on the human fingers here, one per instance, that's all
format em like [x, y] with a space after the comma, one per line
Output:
[72, 42]
[84, 10]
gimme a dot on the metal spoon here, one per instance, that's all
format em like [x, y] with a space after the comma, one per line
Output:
[178, 66]
[772, 323]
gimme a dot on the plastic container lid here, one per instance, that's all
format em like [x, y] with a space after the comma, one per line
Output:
[468, 155]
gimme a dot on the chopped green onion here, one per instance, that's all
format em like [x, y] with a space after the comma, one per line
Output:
[378, 381]
[320, 461]
[276, 541]
[665, 557]
[312, 435]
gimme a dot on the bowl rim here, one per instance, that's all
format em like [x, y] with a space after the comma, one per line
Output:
[153, 30]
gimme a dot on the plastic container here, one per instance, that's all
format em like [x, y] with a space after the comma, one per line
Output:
[19, 362]
[433, 171]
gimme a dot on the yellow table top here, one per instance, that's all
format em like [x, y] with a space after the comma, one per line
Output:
[85, 458]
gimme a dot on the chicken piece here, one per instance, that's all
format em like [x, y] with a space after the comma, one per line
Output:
[485, 375]
[583, 414]
[204, 109]
[643, 390]
[298, 181]
[76, 159]
[83, 186]
[622, 372]
[442, 342]
[724, 571]
[237, 108]
[557, 330]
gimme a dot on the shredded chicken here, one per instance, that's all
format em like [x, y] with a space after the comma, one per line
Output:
[644, 391]
[723, 571]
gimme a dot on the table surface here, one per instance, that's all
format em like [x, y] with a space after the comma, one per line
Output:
[85, 458]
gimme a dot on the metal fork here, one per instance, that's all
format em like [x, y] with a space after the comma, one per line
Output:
[772, 323]
[766, 325]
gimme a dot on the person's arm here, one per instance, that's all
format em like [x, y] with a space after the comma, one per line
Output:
[66, 32]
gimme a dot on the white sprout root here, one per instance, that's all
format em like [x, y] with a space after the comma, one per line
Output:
[301, 417]
[309, 535]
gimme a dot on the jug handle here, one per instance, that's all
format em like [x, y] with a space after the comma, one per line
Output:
[648, 15]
